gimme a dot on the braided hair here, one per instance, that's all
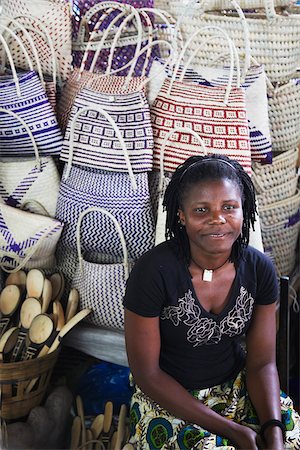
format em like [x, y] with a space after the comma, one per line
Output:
[203, 168]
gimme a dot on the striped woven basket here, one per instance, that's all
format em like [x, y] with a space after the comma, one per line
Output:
[224, 4]
[277, 193]
[274, 37]
[282, 170]
[284, 114]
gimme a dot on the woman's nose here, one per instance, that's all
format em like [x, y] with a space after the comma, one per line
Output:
[217, 217]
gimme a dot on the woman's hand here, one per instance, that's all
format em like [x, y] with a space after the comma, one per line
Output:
[244, 437]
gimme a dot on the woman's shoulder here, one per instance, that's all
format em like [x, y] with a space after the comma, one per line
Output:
[256, 258]
[162, 254]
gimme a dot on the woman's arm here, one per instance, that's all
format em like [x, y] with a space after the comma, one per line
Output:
[261, 371]
[143, 349]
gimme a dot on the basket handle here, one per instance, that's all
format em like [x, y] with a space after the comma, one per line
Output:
[12, 65]
[22, 121]
[118, 229]
[163, 146]
[45, 36]
[100, 110]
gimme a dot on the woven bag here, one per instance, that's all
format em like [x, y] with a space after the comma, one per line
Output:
[112, 50]
[55, 17]
[274, 38]
[29, 180]
[280, 243]
[27, 240]
[282, 170]
[49, 82]
[282, 210]
[216, 114]
[101, 287]
[92, 138]
[284, 114]
[178, 5]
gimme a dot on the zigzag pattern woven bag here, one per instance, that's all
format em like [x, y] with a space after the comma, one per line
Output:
[101, 287]
[94, 141]
[32, 106]
[113, 191]
[25, 181]
[27, 240]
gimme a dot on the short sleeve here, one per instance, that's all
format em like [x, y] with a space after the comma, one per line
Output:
[267, 284]
[145, 291]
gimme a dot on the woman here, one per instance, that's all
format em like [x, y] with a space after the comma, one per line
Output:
[188, 304]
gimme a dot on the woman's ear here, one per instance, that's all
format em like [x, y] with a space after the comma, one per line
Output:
[181, 217]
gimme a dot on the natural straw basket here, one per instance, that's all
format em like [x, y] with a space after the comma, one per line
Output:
[15, 377]
[273, 38]
[275, 194]
[280, 242]
[282, 211]
[282, 170]
[284, 114]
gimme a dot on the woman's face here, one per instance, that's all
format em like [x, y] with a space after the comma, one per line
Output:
[212, 215]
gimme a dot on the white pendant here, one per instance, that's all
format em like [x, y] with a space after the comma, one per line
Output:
[207, 275]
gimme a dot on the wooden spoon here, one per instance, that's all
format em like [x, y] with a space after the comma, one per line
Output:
[46, 295]
[121, 428]
[59, 314]
[35, 283]
[72, 304]
[97, 425]
[39, 331]
[75, 433]
[58, 284]
[9, 300]
[89, 440]
[107, 422]
[29, 309]
[18, 278]
[8, 341]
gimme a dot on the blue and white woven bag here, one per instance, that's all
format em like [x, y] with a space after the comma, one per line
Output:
[29, 183]
[102, 286]
[27, 240]
[93, 140]
[24, 94]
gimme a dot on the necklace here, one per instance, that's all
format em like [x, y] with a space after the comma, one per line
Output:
[208, 273]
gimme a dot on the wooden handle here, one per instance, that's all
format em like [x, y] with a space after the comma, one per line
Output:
[97, 425]
[58, 311]
[121, 428]
[72, 304]
[35, 283]
[68, 326]
[46, 295]
[108, 415]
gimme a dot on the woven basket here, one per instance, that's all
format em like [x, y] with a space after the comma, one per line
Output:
[284, 115]
[280, 243]
[274, 38]
[277, 193]
[282, 170]
[14, 379]
[281, 211]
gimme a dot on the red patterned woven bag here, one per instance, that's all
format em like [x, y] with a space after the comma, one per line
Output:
[216, 114]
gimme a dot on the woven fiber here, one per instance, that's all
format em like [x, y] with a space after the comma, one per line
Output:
[277, 193]
[99, 83]
[274, 38]
[15, 377]
[280, 243]
[101, 287]
[280, 211]
[113, 191]
[284, 115]
[220, 4]
[33, 107]
[95, 143]
[282, 170]
[27, 240]
[55, 17]
[223, 128]
[256, 93]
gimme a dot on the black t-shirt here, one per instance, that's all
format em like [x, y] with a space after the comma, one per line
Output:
[198, 348]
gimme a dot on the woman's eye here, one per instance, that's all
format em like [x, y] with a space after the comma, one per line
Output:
[201, 210]
[229, 207]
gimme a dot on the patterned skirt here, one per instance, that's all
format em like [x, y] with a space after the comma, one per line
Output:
[152, 427]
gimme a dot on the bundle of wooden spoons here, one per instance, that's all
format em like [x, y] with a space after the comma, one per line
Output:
[33, 320]
[105, 432]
